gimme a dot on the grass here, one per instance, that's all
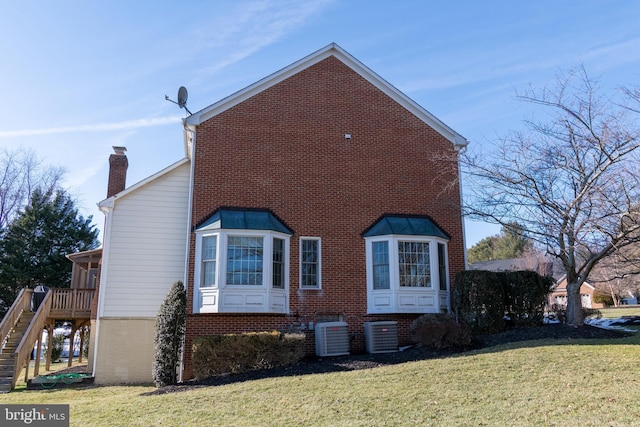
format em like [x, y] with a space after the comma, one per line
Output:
[536, 383]
[615, 312]
[53, 368]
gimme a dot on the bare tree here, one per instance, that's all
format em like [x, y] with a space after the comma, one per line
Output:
[617, 275]
[20, 174]
[571, 181]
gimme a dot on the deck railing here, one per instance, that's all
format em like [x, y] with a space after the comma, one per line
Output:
[71, 303]
[31, 335]
[21, 303]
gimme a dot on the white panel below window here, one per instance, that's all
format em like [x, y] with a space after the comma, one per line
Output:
[233, 300]
[278, 302]
[255, 300]
[209, 299]
[426, 301]
[382, 301]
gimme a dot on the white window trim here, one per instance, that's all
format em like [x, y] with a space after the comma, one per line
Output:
[400, 299]
[224, 298]
[319, 273]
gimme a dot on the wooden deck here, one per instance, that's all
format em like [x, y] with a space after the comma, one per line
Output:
[71, 304]
[22, 328]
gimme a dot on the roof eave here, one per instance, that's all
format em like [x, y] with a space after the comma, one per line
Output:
[332, 49]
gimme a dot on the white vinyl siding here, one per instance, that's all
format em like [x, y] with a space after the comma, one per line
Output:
[145, 251]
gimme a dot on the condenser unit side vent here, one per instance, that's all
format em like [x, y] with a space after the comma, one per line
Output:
[381, 337]
[332, 339]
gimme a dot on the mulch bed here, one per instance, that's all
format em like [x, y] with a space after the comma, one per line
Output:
[366, 361]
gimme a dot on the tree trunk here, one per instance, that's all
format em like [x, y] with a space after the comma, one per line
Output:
[575, 316]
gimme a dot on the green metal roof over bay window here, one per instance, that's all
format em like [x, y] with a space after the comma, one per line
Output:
[244, 219]
[405, 225]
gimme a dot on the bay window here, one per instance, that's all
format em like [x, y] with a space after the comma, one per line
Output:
[407, 266]
[241, 263]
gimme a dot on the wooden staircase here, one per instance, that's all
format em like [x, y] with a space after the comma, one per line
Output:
[8, 356]
[19, 331]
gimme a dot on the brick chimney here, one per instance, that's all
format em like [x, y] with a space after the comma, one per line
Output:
[118, 165]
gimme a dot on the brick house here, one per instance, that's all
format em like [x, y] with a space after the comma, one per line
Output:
[319, 193]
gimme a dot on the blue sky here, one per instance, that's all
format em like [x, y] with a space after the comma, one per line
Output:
[78, 77]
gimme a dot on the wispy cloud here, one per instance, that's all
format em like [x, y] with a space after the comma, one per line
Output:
[253, 26]
[96, 127]
[516, 63]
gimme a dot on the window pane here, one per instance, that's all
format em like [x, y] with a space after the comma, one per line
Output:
[278, 263]
[381, 265]
[442, 267]
[209, 251]
[309, 264]
[414, 264]
[244, 260]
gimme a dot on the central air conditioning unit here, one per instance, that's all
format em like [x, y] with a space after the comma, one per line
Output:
[381, 337]
[332, 339]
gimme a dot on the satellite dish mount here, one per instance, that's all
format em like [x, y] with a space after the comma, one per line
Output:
[182, 98]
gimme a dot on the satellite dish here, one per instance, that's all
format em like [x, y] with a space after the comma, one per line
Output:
[182, 97]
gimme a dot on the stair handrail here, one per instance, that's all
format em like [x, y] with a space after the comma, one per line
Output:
[20, 304]
[31, 335]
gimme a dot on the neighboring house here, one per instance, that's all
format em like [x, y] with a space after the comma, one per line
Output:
[631, 299]
[558, 294]
[319, 193]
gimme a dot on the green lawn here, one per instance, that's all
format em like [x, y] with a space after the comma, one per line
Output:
[540, 383]
[614, 312]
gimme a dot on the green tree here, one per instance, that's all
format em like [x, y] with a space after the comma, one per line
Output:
[170, 328]
[34, 246]
[512, 242]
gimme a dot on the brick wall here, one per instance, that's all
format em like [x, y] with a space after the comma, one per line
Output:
[118, 165]
[285, 150]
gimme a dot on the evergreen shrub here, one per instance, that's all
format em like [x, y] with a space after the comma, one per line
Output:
[478, 300]
[525, 296]
[238, 353]
[485, 299]
[170, 328]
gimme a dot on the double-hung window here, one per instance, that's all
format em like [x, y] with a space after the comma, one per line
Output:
[310, 267]
[407, 267]
[209, 260]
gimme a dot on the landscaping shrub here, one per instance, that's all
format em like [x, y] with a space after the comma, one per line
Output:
[602, 298]
[487, 300]
[559, 312]
[478, 300]
[591, 312]
[57, 345]
[170, 328]
[525, 296]
[440, 331]
[237, 353]
[85, 343]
